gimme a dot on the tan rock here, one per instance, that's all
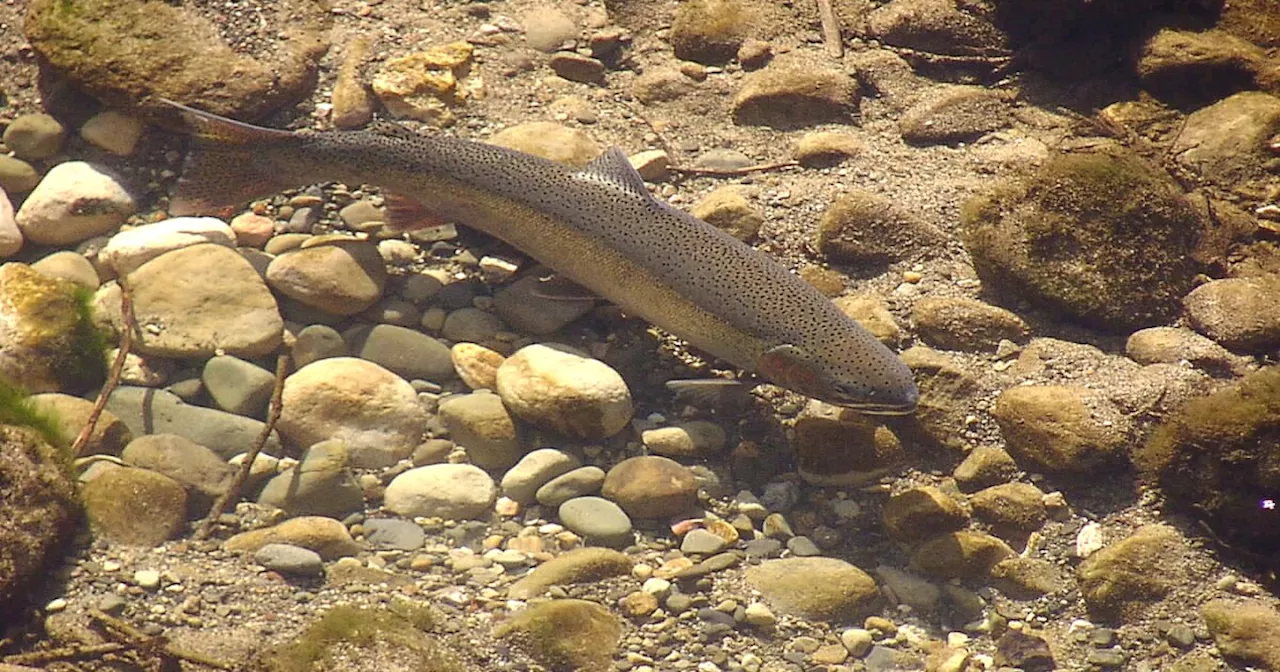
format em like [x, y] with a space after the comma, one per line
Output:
[325, 536]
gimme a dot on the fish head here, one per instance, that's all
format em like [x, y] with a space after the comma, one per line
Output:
[881, 387]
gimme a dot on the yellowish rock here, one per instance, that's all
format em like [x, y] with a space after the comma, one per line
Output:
[423, 85]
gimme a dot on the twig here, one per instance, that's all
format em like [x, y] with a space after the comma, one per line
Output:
[62, 653]
[831, 40]
[113, 376]
[734, 172]
[233, 490]
[158, 646]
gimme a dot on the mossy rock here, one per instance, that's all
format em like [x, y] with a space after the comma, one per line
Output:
[38, 511]
[1218, 455]
[1098, 236]
[18, 409]
[129, 53]
[48, 339]
[565, 634]
[352, 638]
[710, 31]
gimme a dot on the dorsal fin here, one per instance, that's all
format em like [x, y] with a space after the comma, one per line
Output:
[392, 129]
[615, 168]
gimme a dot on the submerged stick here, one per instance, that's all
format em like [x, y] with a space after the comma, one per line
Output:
[831, 39]
[113, 376]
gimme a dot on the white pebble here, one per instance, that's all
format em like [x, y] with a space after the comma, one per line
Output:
[55, 605]
[147, 578]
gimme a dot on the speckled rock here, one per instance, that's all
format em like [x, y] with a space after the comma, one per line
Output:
[557, 389]
[521, 482]
[728, 209]
[787, 95]
[866, 227]
[342, 277]
[204, 474]
[135, 507]
[550, 141]
[480, 423]
[919, 513]
[319, 485]
[325, 536]
[598, 520]
[1060, 428]
[580, 565]
[1121, 580]
[375, 412]
[944, 386]
[128, 250]
[953, 323]
[1240, 313]
[203, 300]
[38, 514]
[817, 588]
[567, 634]
[75, 201]
[456, 491]
[963, 554]
[649, 486]
[47, 339]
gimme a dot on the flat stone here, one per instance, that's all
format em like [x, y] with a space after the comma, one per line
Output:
[343, 278]
[1060, 428]
[578, 482]
[550, 141]
[204, 473]
[577, 68]
[17, 176]
[71, 413]
[727, 209]
[147, 410]
[315, 342]
[394, 534]
[406, 352]
[203, 300]
[289, 560]
[1242, 314]
[817, 588]
[480, 423]
[534, 470]
[114, 131]
[580, 565]
[69, 266]
[956, 114]
[325, 536]
[34, 137]
[554, 388]
[454, 491]
[238, 386]
[521, 306]
[696, 438]
[788, 95]
[129, 250]
[320, 484]
[598, 520]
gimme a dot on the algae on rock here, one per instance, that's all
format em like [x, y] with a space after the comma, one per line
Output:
[48, 339]
[566, 634]
[1100, 236]
[352, 638]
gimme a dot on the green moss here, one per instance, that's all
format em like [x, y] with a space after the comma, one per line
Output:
[16, 408]
[566, 634]
[402, 626]
[1219, 455]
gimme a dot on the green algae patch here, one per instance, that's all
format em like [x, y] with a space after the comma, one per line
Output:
[1100, 236]
[48, 339]
[1219, 455]
[565, 634]
[350, 637]
[17, 409]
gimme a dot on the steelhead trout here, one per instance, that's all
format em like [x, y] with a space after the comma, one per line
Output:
[597, 226]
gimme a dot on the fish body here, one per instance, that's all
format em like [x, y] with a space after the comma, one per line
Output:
[598, 226]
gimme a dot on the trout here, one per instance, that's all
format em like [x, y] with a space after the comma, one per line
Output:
[598, 226]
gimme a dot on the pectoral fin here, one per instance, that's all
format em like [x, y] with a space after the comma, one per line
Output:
[559, 288]
[725, 393]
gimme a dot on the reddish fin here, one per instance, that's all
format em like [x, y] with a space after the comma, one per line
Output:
[405, 213]
[223, 169]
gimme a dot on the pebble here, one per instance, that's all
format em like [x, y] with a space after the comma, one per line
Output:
[533, 471]
[548, 29]
[653, 165]
[697, 438]
[320, 484]
[238, 386]
[451, 491]
[649, 486]
[577, 68]
[394, 534]
[816, 588]
[113, 131]
[74, 202]
[340, 277]
[476, 365]
[17, 176]
[33, 137]
[406, 352]
[481, 423]
[759, 615]
[252, 230]
[134, 507]
[147, 579]
[323, 535]
[147, 410]
[857, 640]
[521, 306]
[471, 325]
[67, 265]
[10, 235]
[375, 412]
[702, 542]
[576, 566]
[316, 342]
[289, 560]
[552, 387]
[578, 482]
[599, 520]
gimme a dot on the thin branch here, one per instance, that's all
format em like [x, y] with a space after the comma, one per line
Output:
[233, 490]
[734, 172]
[74, 652]
[158, 646]
[113, 376]
[831, 40]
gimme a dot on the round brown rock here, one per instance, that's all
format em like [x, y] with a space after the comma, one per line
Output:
[135, 507]
[649, 486]
[816, 588]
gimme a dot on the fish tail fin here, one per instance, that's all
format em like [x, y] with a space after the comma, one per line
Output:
[223, 169]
